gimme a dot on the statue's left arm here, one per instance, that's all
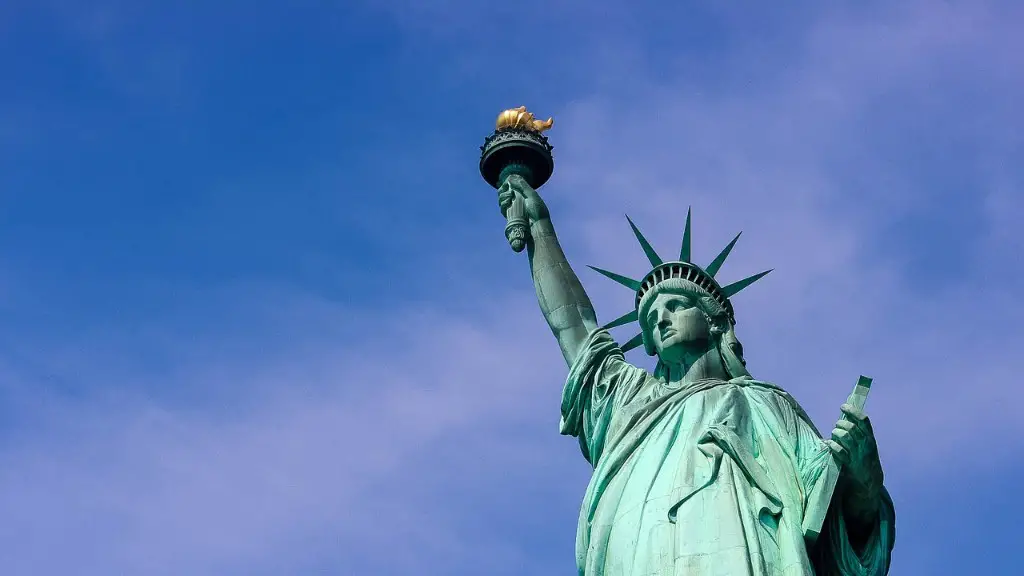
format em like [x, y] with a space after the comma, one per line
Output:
[852, 547]
[860, 527]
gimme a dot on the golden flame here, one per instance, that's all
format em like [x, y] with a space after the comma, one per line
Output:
[522, 118]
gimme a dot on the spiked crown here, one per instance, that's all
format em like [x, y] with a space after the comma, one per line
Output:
[681, 269]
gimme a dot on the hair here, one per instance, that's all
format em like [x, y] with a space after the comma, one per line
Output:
[722, 328]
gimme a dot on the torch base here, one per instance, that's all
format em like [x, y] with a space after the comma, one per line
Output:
[516, 146]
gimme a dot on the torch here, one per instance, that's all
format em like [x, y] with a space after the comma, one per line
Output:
[517, 146]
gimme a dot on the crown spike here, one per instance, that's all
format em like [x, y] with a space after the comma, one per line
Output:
[622, 320]
[684, 252]
[652, 256]
[716, 264]
[633, 342]
[734, 288]
[627, 282]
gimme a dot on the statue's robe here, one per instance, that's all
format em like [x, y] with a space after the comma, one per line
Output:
[705, 478]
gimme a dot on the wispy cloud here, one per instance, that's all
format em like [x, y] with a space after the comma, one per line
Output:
[335, 437]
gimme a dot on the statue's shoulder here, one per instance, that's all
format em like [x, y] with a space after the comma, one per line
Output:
[759, 385]
[768, 390]
[777, 393]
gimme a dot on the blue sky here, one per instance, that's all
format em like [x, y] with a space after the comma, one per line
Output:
[260, 317]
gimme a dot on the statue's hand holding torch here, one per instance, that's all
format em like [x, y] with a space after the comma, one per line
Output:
[521, 206]
[516, 159]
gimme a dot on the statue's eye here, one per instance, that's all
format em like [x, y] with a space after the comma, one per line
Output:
[678, 305]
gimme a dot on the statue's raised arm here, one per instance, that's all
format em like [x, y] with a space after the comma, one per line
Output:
[563, 301]
[516, 159]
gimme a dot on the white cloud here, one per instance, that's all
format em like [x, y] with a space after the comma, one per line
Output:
[335, 442]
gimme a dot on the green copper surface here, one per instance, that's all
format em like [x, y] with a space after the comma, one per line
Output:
[627, 282]
[652, 256]
[736, 287]
[698, 467]
[716, 264]
[684, 250]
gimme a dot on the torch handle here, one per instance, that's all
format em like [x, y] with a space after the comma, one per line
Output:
[517, 227]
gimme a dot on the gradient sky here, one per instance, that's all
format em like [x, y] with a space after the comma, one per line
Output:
[259, 317]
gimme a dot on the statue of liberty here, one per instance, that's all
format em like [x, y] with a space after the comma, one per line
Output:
[698, 468]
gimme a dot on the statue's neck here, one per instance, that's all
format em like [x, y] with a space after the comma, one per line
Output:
[693, 367]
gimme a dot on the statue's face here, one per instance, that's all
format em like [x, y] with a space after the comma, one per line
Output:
[677, 327]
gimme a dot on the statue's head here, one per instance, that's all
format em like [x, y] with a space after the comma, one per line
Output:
[677, 321]
[681, 308]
